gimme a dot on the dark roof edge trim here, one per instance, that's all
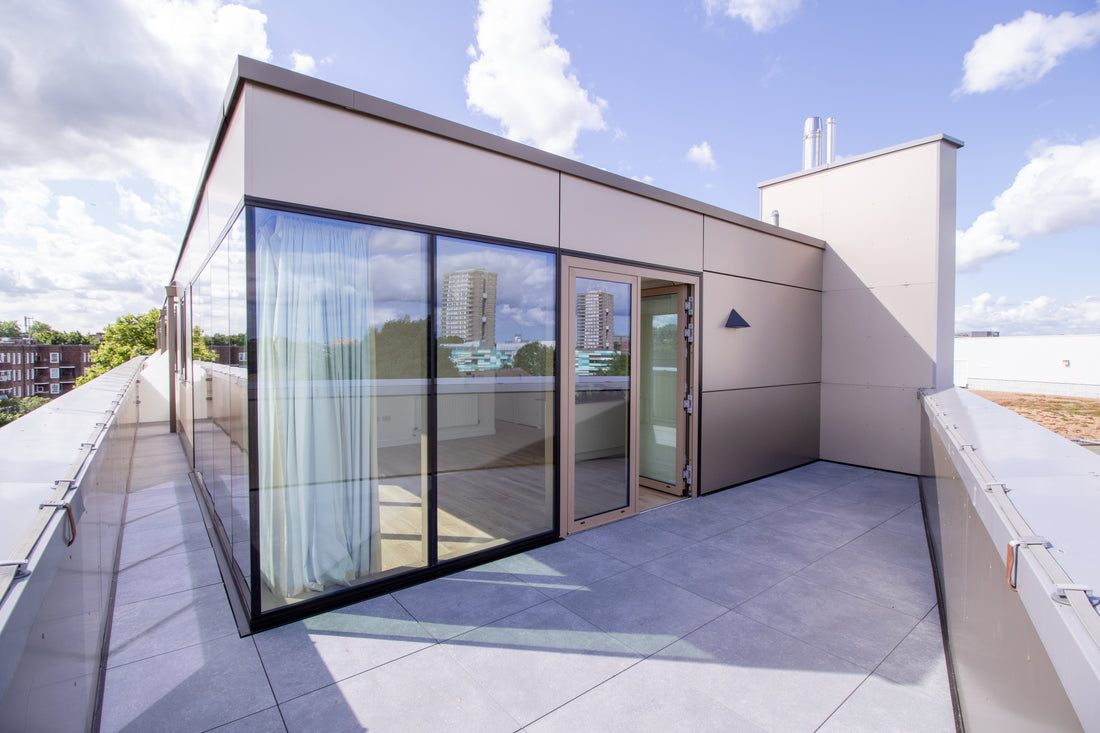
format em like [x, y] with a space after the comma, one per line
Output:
[856, 158]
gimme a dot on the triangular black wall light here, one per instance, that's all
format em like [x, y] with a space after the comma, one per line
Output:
[735, 320]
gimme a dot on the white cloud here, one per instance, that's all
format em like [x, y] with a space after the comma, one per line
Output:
[1058, 190]
[522, 77]
[702, 156]
[761, 15]
[1021, 52]
[1041, 315]
[303, 63]
[105, 113]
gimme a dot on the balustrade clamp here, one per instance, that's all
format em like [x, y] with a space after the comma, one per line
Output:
[1060, 590]
[21, 567]
[1012, 559]
[68, 515]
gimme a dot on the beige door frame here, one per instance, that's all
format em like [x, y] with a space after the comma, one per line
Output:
[572, 268]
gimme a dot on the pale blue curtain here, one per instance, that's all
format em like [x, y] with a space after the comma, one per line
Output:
[318, 495]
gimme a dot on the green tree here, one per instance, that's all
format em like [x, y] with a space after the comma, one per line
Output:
[13, 408]
[535, 359]
[127, 337]
[199, 350]
[619, 366]
[10, 329]
[44, 334]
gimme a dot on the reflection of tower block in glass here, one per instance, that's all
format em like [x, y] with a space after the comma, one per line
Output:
[468, 309]
[595, 320]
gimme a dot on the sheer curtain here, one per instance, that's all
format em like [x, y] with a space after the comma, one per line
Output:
[318, 495]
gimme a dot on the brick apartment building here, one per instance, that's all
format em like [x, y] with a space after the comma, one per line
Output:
[29, 368]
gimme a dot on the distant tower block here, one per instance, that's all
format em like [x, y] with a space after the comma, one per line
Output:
[468, 307]
[595, 320]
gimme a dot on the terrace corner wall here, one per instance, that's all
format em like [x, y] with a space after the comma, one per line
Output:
[760, 386]
[887, 292]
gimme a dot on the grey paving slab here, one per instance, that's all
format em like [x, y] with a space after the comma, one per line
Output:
[828, 529]
[852, 628]
[427, 691]
[770, 678]
[191, 689]
[162, 516]
[882, 706]
[646, 697]
[560, 568]
[909, 523]
[310, 654]
[715, 574]
[166, 623]
[791, 488]
[453, 605]
[160, 576]
[860, 572]
[743, 502]
[632, 541]
[919, 660]
[888, 546]
[265, 721]
[141, 542]
[692, 519]
[889, 489]
[641, 610]
[556, 653]
[839, 473]
[769, 546]
[867, 513]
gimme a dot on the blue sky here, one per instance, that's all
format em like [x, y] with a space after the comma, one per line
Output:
[106, 110]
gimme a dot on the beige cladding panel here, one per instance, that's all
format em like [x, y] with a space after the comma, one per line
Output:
[738, 250]
[225, 186]
[601, 220]
[782, 344]
[315, 154]
[748, 433]
[878, 427]
[880, 217]
[884, 336]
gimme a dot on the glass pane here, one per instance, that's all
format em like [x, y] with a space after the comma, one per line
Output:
[233, 357]
[495, 414]
[341, 374]
[661, 394]
[601, 477]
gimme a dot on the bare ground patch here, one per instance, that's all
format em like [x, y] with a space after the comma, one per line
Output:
[1071, 417]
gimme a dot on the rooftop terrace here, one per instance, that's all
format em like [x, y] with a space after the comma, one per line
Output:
[803, 601]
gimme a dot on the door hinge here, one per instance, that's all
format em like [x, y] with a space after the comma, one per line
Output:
[689, 333]
[689, 404]
[687, 474]
[689, 305]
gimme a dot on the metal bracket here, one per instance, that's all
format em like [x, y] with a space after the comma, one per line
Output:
[1060, 589]
[689, 333]
[687, 474]
[68, 515]
[20, 565]
[1012, 558]
[689, 305]
[689, 404]
[994, 484]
